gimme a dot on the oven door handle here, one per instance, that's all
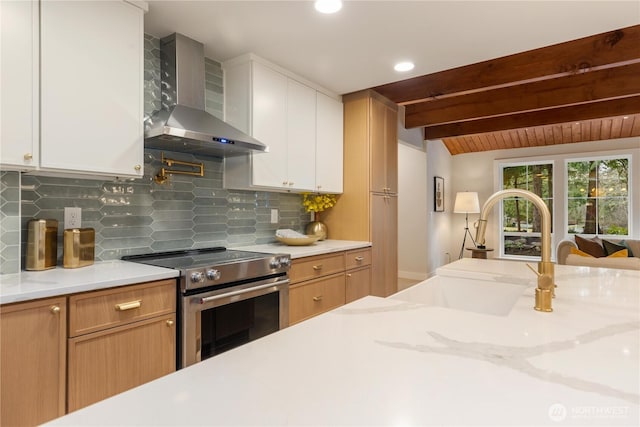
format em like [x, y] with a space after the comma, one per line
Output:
[242, 291]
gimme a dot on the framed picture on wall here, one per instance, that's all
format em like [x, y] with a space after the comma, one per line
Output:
[438, 194]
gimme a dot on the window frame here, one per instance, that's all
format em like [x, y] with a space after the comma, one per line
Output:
[629, 159]
[501, 245]
[560, 196]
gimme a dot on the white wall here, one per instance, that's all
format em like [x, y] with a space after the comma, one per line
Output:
[412, 211]
[439, 231]
[476, 172]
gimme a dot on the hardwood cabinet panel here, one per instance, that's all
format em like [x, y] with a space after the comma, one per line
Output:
[92, 311]
[316, 266]
[357, 284]
[314, 297]
[367, 209]
[105, 363]
[33, 361]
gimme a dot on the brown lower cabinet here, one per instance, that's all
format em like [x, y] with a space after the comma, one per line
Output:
[60, 354]
[323, 282]
[118, 339]
[32, 361]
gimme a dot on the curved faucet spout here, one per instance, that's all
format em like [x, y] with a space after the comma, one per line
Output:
[546, 282]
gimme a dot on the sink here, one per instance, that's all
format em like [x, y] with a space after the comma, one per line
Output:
[461, 293]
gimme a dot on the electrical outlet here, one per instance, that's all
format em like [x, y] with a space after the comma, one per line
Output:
[274, 216]
[72, 218]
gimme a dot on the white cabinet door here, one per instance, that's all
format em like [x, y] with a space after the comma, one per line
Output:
[269, 125]
[301, 136]
[19, 85]
[329, 144]
[91, 87]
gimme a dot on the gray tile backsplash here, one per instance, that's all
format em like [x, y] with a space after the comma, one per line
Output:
[9, 222]
[140, 216]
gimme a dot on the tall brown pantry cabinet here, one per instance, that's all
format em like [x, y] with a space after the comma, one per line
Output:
[368, 208]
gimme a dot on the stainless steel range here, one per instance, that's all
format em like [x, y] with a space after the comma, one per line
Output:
[226, 297]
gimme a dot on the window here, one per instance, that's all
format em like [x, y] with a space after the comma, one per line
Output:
[521, 220]
[598, 196]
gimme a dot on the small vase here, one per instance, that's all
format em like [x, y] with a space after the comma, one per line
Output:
[317, 227]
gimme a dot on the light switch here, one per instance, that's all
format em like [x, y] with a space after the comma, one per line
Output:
[274, 216]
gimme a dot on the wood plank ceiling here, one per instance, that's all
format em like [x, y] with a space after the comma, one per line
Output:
[582, 90]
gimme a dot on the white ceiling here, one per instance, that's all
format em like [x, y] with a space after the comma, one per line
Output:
[357, 47]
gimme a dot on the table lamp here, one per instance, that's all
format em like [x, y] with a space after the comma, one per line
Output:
[466, 203]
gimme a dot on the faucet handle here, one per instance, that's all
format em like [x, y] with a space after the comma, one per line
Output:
[534, 270]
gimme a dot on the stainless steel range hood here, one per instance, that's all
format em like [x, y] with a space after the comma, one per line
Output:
[182, 124]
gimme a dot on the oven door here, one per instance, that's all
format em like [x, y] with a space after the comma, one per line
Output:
[219, 320]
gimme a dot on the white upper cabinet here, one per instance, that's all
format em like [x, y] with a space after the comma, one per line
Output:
[301, 136]
[92, 88]
[329, 144]
[280, 110]
[19, 144]
[269, 106]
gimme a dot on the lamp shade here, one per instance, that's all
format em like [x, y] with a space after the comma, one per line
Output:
[466, 202]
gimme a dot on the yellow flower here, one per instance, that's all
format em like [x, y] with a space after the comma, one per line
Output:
[318, 202]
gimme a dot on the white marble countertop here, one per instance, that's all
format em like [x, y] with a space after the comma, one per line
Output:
[30, 285]
[317, 248]
[401, 361]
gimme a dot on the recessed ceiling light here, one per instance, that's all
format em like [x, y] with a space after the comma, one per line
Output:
[328, 6]
[404, 66]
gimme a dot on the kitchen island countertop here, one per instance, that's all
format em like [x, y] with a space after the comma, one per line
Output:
[400, 361]
[30, 285]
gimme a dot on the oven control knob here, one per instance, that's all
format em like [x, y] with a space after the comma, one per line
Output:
[285, 262]
[197, 277]
[213, 274]
[274, 263]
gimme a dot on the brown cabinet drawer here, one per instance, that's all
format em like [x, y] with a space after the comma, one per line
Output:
[93, 311]
[316, 266]
[358, 258]
[316, 296]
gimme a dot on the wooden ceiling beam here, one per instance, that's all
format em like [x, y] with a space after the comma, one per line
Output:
[574, 113]
[576, 89]
[588, 53]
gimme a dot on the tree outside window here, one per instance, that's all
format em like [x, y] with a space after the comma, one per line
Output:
[597, 196]
[522, 223]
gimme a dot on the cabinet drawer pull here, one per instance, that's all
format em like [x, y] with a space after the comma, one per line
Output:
[318, 298]
[128, 305]
[28, 156]
[137, 167]
[359, 258]
[169, 322]
[348, 274]
[317, 267]
[54, 309]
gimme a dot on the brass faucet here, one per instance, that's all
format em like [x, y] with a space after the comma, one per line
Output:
[546, 280]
